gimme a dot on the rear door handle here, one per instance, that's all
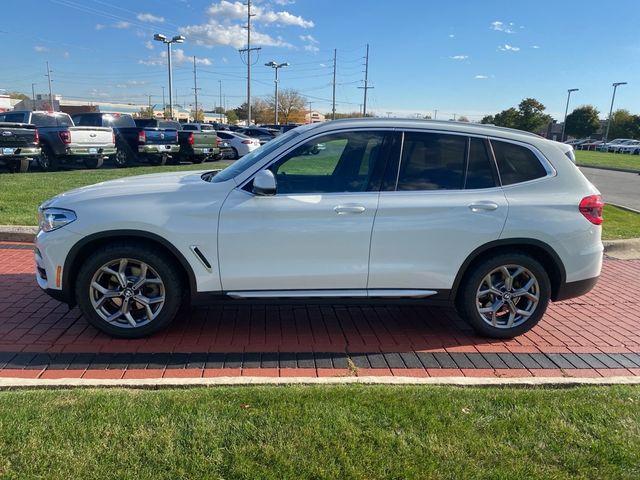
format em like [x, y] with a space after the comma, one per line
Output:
[483, 207]
[349, 208]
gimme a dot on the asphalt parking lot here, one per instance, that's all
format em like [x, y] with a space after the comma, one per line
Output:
[596, 335]
[620, 188]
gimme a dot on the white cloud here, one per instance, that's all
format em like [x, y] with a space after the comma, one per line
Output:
[284, 2]
[131, 83]
[99, 26]
[308, 38]
[312, 43]
[66, 54]
[121, 25]
[451, 35]
[508, 48]
[150, 18]
[225, 25]
[40, 49]
[499, 26]
[481, 77]
[178, 57]
[459, 57]
[149, 45]
[311, 48]
[535, 46]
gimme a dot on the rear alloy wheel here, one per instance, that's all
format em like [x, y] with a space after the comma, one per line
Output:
[505, 296]
[93, 162]
[47, 161]
[123, 157]
[128, 291]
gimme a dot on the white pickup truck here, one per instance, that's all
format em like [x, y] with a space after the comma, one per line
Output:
[62, 142]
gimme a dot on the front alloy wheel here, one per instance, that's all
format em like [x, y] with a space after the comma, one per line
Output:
[129, 290]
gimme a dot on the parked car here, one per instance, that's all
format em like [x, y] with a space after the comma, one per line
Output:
[280, 128]
[133, 143]
[591, 145]
[495, 221]
[613, 144]
[196, 144]
[63, 142]
[240, 144]
[19, 145]
[262, 134]
[629, 147]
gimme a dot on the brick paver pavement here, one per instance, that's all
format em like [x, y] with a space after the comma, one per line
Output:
[594, 335]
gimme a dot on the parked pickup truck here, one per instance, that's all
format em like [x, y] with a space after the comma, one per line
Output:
[133, 143]
[196, 146]
[18, 145]
[62, 142]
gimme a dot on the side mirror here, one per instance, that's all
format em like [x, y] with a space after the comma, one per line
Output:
[264, 183]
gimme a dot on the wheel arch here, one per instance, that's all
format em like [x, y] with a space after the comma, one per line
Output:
[82, 248]
[539, 250]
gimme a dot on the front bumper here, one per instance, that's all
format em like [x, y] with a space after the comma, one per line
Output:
[104, 151]
[50, 253]
[19, 152]
[158, 149]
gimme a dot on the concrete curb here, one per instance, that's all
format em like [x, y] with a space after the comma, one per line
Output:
[24, 383]
[17, 233]
[613, 169]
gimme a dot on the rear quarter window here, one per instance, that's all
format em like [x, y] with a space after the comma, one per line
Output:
[516, 163]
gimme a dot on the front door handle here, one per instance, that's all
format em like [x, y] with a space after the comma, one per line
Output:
[349, 208]
[483, 207]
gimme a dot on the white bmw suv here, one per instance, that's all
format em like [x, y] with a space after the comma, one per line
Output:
[495, 221]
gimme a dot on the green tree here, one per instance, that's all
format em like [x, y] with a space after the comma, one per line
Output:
[18, 96]
[582, 122]
[260, 111]
[507, 118]
[232, 117]
[462, 118]
[487, 119]
[146, 112]
[198, 116]
[291, 106]
[621, 125]
[531, 115]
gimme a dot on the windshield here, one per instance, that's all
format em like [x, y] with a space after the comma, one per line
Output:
[254, 157]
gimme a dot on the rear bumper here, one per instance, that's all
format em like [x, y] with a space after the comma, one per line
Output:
[158, 149]
[19, 152]
[90, 151]
[575, 289]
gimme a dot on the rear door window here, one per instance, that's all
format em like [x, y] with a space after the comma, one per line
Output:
[432, 161]
[480, 170]
[516, 163]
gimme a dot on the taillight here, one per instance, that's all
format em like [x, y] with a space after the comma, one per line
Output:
[191, 139]
[591, 208]
[247, 142]
[218, 142]
[65, 136]
[142, 137]
[37, 137]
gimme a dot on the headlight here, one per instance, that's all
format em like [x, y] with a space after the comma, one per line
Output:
[53, 218]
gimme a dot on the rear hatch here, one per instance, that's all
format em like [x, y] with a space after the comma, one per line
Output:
[91, 135]
[17, 135]
[160, 136]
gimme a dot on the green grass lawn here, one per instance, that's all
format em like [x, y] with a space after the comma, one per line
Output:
[619, 223]
[333, 432]
[20, 194]
[600, 159]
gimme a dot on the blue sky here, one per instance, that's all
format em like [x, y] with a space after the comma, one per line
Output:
[461, 57]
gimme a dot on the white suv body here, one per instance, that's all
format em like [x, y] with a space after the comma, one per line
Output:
[495, 221]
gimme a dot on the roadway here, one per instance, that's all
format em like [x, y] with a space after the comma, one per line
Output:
[621, 188]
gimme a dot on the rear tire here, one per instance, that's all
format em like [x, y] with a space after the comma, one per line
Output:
[498, 305]
[236, 156]
[157, 160]
[123, 157]
[47, 159]
[20, 165]
[128, 290]
[197, 160]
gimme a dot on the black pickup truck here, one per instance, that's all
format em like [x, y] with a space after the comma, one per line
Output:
[133, 143]
[19, 145]
[195, 146]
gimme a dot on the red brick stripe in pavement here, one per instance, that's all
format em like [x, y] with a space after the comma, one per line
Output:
[604, 321]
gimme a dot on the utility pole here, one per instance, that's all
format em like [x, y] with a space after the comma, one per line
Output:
[33, 96]
[435, 114]
[48, 75]
[221, 104]
[366, 82]
[195, 88]
[333, 108]
[164, 105]
[248, 50]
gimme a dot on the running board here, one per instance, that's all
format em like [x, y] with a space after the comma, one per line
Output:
[373, 293]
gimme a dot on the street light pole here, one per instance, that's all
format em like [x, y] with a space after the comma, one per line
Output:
[221, 106]
[276, 67]
[615, 86]
[176, 39]
[564, 123]
[33, 96]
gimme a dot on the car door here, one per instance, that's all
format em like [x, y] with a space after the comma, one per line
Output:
[314, 233]
[443, 201]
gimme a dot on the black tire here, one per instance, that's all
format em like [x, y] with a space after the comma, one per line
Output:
[195, 159]
[47, 160]
[157, 160]
[468, 304]
[19, 165]
[123, 157]
[93, 162]
[166, 270]
[236, 156]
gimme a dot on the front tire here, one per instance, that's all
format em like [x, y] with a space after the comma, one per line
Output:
[505, 295]
[128, 290]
